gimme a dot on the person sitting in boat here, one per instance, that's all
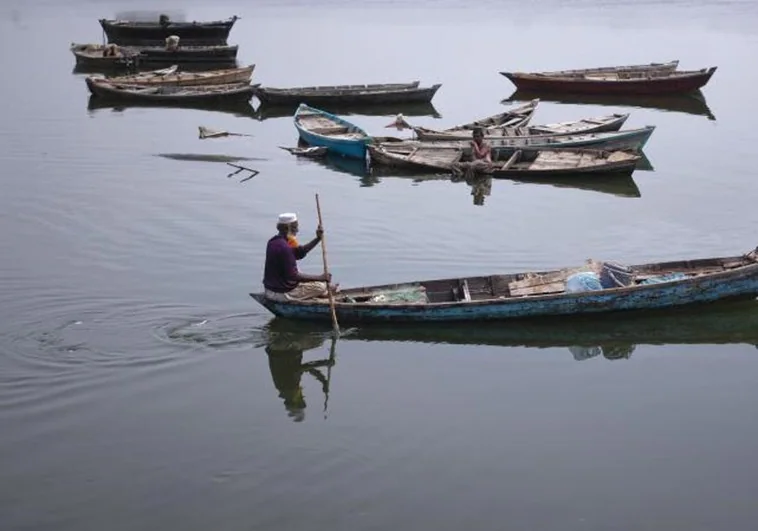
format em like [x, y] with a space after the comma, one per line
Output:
[110, 50]
[282, 280]
[480, 149]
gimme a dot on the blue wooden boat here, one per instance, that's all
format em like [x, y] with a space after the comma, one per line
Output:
[323, 129]
[539, 294]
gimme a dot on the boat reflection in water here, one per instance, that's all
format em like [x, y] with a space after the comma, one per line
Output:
[241, 109]
[264, 111]
[611, 337]
[689, 103]
[480, 185]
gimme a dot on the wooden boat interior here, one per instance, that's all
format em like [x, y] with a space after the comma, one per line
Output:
[322, 124]
[670, 66]
[530, 284]
[633, 75]
[508, 118]
[561, 127]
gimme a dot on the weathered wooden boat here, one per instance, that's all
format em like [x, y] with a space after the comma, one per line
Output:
[597, 124]
[692, 103]
[523, 164]
[348, 94]
[320, 128]
[131, 32]
[515, 117]
[630, 139]
[605, 83]
[171, 76]
[101, 57]
[95, 54]
[542, 294]
[102, 88]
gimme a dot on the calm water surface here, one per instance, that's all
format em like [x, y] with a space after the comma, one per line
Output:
[141, 389]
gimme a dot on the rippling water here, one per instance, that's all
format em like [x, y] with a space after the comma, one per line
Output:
[141, 388]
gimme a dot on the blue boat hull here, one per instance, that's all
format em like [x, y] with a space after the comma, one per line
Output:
[355, 149]
[736, 284]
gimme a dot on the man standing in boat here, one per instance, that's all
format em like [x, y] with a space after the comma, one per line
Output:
[281, 278]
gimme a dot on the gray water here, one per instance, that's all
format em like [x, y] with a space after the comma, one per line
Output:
[142, 389]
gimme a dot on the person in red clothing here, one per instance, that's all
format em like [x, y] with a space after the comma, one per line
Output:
[282, 280]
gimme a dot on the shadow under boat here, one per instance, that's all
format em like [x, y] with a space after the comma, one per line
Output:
[614, 336]
[265, 111]
[242, 109]
[687, 103]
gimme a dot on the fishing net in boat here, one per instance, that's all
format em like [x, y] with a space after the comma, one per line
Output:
[584, 281]
[664, 278]
[404, 296]
[410, 295]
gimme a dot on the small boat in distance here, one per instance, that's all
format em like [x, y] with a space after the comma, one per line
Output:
[172, 76]
[98, 55]
[136, 32]
[538, 294]
[597, 124]
[605, 82]
[320, 128]
[348, 94]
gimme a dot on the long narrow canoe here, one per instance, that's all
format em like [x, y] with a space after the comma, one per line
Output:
[540, 294]
[172, 77]
[93, 55]
[631, 139]
[320, 128]
[638, 83]
[522, 164]
[130, 32]
[170, 94]
[348, 94]
[598, 124]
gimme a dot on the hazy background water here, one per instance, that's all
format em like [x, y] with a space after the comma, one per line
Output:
[136, 389]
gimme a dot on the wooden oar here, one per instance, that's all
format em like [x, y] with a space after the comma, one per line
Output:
[335, 325]
[205, 132]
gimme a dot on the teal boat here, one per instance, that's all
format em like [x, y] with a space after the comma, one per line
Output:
[323, 129]
[593, 289]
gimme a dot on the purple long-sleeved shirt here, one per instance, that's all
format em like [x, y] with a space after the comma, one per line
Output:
[280, 272]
